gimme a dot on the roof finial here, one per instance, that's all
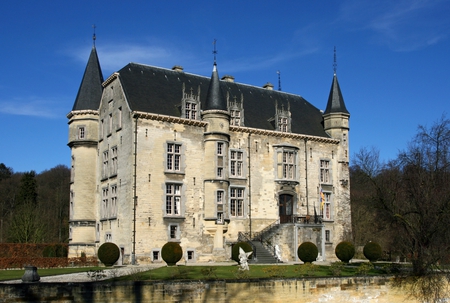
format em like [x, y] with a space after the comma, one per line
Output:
[215, 51]
[93, 37]
[279, 80]
[334, 63]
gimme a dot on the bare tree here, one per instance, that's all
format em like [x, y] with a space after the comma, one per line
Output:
[411, 198]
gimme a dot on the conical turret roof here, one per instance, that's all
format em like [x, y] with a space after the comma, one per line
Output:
[335, 100]
[90, 91]
[214, 97]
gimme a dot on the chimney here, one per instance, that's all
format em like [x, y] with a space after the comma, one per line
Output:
[177, 68]
[228, 78]
[268, 86]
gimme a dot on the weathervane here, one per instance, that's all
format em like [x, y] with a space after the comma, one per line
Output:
[334, 63]
[93, 37]
[215, 51]
[279, 80]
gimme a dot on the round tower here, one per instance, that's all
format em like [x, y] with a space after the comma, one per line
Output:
[83, 140]
[217, 139]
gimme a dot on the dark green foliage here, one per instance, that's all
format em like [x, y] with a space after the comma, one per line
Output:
[171, 253]
[55, 250]
[235, 251]
[28, 188]
[372, 251]
[108, 253]
[307, 252]
[345, 251]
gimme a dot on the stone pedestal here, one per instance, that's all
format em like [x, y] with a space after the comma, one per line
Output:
[30, 275]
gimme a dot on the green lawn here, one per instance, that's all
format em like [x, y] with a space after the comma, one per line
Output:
[18, 273]
[233, 272]
[217, 272]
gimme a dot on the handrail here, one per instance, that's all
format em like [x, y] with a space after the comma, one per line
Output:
[242, 237]
[260, 234]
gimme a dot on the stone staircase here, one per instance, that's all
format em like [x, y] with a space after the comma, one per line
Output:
[263, 256]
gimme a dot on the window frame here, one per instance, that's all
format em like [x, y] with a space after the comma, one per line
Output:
[326, 210]
[174, 232]
[81, 132]
[176, 202]
[325, 176]
[287, 163]
[236, 202]
[237, 167]
[174, 160]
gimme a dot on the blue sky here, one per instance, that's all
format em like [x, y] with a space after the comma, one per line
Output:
[393, 60]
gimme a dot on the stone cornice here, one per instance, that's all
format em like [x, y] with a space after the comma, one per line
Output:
[242, 129]
[110, 79]
[215, 111]
[92, 143]
[272, 133]
[82, 112]
[157, 117]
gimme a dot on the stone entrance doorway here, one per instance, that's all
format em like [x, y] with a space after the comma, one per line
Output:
[285, 203]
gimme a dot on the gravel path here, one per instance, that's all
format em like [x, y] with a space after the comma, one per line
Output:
[92, 276]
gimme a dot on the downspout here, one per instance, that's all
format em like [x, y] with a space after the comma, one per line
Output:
[133, 253]
[249, 186]
[306, 179]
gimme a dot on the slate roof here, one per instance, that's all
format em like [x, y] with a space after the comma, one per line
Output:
[214, 98]
[335, 100]
[90, 91]
[158, 90]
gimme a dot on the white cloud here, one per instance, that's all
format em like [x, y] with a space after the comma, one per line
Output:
[403, 25]
[33, 106]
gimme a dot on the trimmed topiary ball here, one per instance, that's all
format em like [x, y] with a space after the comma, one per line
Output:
[372, 251]
[171, 253]
[307, 252]
[108, 253]
[345, 251]
[235, 251]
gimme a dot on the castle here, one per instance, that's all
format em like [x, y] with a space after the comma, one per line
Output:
[163, 155]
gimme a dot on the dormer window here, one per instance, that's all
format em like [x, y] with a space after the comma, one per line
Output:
[283, 124]
[190, 104]
[283, 118]
[190, 110]
[236, 109]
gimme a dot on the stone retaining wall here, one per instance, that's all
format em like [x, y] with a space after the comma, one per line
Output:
[336, 290]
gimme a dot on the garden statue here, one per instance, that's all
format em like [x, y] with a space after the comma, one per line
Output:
[277, 252]
[243, 259]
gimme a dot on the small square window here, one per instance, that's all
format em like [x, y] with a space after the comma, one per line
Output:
[173, 231]
[155, 255]
[190, 255]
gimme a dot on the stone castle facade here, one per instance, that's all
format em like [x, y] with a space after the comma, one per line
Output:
[162, 155]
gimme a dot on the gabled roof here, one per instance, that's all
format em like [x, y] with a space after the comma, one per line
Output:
[158, 90]
[335, 100]
[90, 91]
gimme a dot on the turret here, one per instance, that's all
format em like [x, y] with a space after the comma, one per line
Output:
[217, 141]
[83, 140]
[336, 116]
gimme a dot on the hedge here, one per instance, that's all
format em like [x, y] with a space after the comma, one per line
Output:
[40, 262]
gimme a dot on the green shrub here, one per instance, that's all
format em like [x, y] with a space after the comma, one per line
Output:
[55, 251]
[307, 269]
[307, 252]
[336, 268]
[372, 251]
[108, 253]
[171, 253]
[364, 268]
[49, 252]
[235, 251]
[345, 251]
